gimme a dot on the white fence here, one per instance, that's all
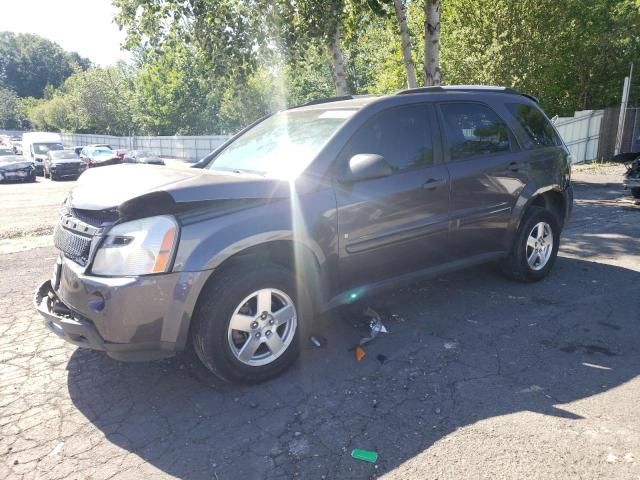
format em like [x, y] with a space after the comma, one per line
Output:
[187, 148]
[581, 133]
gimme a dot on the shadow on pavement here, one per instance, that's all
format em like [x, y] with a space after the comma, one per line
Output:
[465, 347]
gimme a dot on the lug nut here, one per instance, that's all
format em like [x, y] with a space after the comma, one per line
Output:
[264, 315]
[268, 333]
[254, 325]
[272, 321]
[258, 335]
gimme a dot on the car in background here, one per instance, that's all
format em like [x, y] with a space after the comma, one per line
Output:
[5, 151]
[16, 168]
[61, 164]
[142, 156]
[99, 156]
[36, 145]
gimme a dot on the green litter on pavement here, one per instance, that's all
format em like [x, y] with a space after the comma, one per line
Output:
[365, 455]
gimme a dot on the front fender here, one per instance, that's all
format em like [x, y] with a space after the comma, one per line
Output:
[207, 244]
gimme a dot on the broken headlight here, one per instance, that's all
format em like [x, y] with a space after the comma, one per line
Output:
[138, 247]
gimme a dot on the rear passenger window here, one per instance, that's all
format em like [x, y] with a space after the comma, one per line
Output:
[540, 132]
[473, 129]
[401, 135]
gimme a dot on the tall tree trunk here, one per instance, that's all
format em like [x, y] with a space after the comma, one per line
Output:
[432, 43]
[401, 16]
[337, 62]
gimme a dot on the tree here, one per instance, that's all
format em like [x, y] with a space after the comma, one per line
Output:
[571, 55]
[174, 95]
[28, 63]
[401, 17]
[432, 76]
[94, 101]
[8, 109]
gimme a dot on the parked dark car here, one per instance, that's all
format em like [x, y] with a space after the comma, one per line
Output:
[99, 156]
[16, 168]
[40, 151]
[61, 164]
[311, 208]
[142, 156]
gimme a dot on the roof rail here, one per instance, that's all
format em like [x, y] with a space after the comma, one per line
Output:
[465, 88]
[320, 101]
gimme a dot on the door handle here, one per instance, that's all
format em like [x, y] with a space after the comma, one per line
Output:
[433, 183]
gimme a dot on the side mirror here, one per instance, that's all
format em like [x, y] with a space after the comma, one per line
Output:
[366, 166]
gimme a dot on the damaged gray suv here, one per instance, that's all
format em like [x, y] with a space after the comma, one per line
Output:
[306, 210]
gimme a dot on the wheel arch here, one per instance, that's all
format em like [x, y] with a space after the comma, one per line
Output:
[550, 197]
[305, 261]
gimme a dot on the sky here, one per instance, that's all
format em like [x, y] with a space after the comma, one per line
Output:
[84, 26]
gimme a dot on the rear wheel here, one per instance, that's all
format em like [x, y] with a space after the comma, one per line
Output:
[248, 321]
[535, 247]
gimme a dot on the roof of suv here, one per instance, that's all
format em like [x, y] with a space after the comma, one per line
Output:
[359, 101]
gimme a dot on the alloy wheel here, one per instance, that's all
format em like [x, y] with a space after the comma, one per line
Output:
[539, 246]
[262, 327]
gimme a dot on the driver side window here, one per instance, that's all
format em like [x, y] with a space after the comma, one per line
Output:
[402, 135]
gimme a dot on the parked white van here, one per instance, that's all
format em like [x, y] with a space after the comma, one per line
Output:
[35, 146]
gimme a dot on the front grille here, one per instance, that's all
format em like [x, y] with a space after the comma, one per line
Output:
[73, 245]
[95, 218]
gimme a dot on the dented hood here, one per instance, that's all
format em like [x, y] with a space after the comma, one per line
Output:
[110, 187]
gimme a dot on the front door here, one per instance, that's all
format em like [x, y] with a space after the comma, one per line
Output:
[397, 224]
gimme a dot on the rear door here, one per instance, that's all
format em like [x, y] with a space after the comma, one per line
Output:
[488, 171]
[396, 224]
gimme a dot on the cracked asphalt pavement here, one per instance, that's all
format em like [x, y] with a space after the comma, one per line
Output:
[478, 377]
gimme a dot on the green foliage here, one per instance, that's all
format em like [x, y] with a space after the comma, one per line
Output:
[571, 55]
[8, 109]
[28, 63]
[94, 101]
[214, 66]
[174, 95]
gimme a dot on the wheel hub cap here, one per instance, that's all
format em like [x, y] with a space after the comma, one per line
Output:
[539, 246]
[262, 327]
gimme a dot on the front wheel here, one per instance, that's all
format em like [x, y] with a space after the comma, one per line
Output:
[247, 323]
[535, 247]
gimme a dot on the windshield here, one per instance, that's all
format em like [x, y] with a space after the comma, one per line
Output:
[65, 154]
[102, 151]
[45, 147]
[283, 145]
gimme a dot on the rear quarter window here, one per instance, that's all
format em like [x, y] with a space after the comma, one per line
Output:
[539, 131]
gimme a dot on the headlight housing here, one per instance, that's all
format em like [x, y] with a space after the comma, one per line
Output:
[138, 247]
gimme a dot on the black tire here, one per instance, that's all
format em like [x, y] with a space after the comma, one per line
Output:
[635, 192]
[515, 265]
[217, 303]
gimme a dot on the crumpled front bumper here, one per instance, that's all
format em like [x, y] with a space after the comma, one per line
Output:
[130, 318]
[63, 322]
